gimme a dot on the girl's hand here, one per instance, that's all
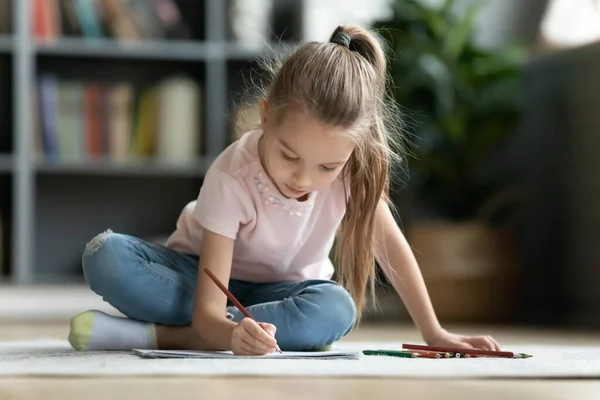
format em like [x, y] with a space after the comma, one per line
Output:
[447, 339]
[251, 338]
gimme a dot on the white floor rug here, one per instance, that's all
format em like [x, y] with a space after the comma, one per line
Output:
[56, 358]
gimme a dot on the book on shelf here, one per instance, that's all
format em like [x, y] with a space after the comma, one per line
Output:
[108, 19]
[85, 121]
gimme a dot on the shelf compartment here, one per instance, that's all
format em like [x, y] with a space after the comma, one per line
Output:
[90, 109]
[6, 43]
[6, 163]
[71, 210]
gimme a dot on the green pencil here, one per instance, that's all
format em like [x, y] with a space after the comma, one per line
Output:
[391, 353]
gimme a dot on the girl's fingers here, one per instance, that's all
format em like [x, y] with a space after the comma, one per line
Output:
[478, 342]
[247, 350]
[495, 343]
[259, 333]
[256, 345]
[270, 328]
[486, 343]
[463, 345]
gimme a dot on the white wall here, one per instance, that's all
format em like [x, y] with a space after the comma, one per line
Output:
[321, 17]
[572, 23]
[501, 20]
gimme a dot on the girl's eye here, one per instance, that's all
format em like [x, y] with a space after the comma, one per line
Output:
[327, 169]
[286, 157]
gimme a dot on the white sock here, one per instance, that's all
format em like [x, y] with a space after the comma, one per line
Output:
[95, 330]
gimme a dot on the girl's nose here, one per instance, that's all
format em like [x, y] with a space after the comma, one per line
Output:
[301, 179]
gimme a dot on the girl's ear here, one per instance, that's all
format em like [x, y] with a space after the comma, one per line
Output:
[263, 108]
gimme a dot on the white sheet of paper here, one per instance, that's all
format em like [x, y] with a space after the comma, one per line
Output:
[329, 354]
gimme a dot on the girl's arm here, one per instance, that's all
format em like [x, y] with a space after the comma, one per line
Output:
[400, 266]
[209, 316]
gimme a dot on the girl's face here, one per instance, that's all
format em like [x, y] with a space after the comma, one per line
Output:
[303, 155]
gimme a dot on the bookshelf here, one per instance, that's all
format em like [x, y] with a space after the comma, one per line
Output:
[51, 206]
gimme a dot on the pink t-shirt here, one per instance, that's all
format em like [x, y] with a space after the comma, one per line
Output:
[276, 238]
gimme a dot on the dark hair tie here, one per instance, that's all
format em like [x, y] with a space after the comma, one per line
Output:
[342, 38]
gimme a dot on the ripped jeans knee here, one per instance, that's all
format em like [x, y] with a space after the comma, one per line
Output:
[97, 255]
[93, 245]
[104, 259]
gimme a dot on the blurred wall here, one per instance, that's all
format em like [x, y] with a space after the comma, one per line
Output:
[503, 21]
[554, 160]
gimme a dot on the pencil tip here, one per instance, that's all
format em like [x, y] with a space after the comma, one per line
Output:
[523, 355]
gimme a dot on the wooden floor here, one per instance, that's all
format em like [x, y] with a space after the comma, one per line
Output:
[302, 388]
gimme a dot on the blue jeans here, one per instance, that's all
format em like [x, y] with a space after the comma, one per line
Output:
[152, 283]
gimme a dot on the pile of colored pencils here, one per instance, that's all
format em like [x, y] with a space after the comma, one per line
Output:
[449, 352]
[421, 351]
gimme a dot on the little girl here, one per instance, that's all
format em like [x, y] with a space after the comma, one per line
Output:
[313, 172]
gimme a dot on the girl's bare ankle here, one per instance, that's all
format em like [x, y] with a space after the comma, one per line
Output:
[178, 338]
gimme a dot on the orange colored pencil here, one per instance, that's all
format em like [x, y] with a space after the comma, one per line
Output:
[233, 299]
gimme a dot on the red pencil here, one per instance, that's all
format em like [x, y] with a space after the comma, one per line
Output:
[503, 354]
[233, 299]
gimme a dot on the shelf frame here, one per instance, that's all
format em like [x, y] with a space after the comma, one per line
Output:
[106, 167]
[23, 181]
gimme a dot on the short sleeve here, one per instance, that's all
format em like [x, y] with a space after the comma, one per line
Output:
[223, 204]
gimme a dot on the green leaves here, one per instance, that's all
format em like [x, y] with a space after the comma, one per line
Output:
[459, 34]
[462, 100]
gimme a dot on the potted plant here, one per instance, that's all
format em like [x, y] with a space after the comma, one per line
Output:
[461, 102]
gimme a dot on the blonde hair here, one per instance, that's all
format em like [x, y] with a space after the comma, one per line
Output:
[342, 83]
